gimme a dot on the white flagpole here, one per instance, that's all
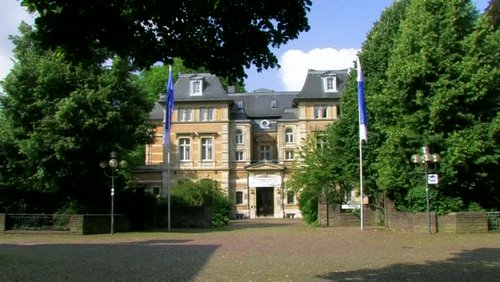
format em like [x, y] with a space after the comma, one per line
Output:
[361, 179]
[362, 132]
[169, 100]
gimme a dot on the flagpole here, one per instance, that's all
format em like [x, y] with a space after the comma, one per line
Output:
[169, 184]
[362, 133]
[169, 107]
[361, 178]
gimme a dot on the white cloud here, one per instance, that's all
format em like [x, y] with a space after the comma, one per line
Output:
[11, 15]
[295, 63]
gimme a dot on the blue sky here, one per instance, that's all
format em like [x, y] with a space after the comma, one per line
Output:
[338, 28]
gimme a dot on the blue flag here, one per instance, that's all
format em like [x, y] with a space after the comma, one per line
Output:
[361, 104]
[169, 106]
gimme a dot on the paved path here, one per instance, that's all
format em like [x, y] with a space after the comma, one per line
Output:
[252, 250]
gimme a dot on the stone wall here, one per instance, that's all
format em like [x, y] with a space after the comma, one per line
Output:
[331, 215]
[459, 222]
[97, 224]
[463, 222]
[2, 222]
[417, 222]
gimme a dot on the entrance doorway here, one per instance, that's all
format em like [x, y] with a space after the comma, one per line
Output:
[265, 200]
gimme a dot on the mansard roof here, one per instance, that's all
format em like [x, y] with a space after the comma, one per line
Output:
[261, 103]
[313, 86]
[157, 113]
[212, 88]
[267, 104]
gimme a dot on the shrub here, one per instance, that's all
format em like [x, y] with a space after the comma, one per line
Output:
[206, 191]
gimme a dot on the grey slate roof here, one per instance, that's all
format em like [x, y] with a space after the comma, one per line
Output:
[212, 88]
[313, 86]
[157, 112]
[257, 104]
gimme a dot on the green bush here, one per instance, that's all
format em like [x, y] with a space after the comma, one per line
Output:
[206, 191]
[309, 209]
[416, 201]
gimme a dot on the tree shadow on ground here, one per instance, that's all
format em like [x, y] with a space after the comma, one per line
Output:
[156, 260]
[473, 265]
[240, 224]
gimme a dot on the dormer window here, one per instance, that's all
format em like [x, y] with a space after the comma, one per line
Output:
[274, 104]
[330, 84]
[196, 86]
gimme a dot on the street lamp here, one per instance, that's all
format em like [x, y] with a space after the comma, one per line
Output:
[425, 159]
[115, 165]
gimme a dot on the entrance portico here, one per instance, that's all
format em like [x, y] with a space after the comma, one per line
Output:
[265, 184]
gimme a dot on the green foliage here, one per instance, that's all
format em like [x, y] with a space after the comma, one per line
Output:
[432, 76]
[309, 208]
[62, 119]
[203, 192]
[416, 201]
[223, 36]
[438, 88]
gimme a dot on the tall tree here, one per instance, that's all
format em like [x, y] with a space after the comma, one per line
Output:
[64, 119]
[338, 162]
[473, 149]
[431, 77]
[222, 36]
[440, 88]
[374, 57]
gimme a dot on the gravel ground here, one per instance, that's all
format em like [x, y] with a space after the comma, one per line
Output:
[252, 250]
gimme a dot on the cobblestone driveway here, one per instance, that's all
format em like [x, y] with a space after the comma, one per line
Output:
[252, 250]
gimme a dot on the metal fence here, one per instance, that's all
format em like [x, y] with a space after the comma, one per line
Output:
[493, 220]
[37, 222]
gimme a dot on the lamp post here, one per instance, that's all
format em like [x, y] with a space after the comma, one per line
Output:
[425, 159]
[114, 165]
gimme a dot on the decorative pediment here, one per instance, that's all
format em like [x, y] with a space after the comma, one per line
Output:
[265, 165]
[264, 139]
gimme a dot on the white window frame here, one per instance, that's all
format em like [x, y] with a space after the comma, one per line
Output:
[265, 152]
[185, 114]
[184, 149]
[239, 156]
[289, 155]
[274, 103]
[330, 84]
[206, 114]
[196, 87]
[207, 149]
[320, 111]
[238, 137]
[289, 136]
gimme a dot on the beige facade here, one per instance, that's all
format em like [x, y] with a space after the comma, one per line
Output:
[248, 142]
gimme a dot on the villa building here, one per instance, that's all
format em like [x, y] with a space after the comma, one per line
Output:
[248, 142]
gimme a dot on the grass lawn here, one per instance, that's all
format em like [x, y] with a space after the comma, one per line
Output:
[260, 250]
